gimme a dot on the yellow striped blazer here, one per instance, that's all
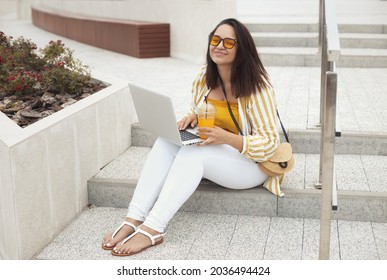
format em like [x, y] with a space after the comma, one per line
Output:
[258, 120]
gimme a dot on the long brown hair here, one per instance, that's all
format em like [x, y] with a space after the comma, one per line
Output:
[248, 73]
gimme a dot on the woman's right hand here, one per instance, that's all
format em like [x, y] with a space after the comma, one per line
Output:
[190, 120]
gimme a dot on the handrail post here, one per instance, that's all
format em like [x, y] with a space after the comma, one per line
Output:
[330, 53]
[320, 23]
[323, 78]
[328, 164]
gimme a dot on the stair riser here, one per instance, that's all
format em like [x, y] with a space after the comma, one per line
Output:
[366, 28]
[303, 142]
[350, 43]
[304, 60]
[282, 27]
[209, 198]
[285, 42]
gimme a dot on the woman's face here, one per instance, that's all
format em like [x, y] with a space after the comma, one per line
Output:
[219, 54]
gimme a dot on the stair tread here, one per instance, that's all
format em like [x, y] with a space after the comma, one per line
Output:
[129, 164]
[314, 51]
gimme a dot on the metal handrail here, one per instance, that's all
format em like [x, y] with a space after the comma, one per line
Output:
[330, 54]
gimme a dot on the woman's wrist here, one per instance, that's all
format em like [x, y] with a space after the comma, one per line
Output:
[236, 141]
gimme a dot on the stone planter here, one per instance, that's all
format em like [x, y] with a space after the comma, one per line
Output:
[44, 168]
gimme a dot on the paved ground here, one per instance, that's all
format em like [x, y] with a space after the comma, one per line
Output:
[201, 236]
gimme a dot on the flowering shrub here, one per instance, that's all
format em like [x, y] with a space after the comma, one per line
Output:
[24, 70]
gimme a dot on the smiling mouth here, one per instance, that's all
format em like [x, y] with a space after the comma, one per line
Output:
[220, 53]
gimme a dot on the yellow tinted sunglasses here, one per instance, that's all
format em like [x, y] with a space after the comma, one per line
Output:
[228, 43]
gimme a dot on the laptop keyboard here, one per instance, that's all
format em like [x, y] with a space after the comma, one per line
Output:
[185, 135]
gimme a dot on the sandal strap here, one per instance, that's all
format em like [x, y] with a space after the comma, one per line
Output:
[120, 227]
[130, 236]
[150, 236]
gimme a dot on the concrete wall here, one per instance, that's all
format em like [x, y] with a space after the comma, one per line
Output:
[45, 166]
[191, 20]
[7, 6]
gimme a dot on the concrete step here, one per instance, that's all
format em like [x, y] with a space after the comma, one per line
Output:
[296, 27]
[296, 44]
[285, 39]
[281, 27]
[309, 57]
[363, 41]
[303, 141]
[204, 236]
[310, 39]
[362, 192]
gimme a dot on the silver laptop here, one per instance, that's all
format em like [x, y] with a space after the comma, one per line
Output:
[155, 113]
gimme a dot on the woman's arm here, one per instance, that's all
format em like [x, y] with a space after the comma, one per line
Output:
[263, 139]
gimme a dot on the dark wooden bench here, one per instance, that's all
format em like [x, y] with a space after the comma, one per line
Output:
[135, 38]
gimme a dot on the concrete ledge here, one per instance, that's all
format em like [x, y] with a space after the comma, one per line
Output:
[45, 166]
[304, 141]
[135, 38]
[211, 198]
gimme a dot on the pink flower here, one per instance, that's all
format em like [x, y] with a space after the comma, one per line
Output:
[18, 87]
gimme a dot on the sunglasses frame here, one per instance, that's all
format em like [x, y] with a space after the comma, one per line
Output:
[221, 40]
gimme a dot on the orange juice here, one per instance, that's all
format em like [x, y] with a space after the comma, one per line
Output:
[206, 117]
[203, 122]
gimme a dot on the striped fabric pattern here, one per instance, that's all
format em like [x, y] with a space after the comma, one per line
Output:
[258, 119]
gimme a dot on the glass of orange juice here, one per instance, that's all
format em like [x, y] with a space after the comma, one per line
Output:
[206, 116]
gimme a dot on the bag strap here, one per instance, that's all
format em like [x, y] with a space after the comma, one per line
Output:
[283, 128]
[229, 109]
[236, 123]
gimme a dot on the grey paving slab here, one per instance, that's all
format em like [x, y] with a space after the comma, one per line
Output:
[249, 238]
[312, 164]
[285, 239]
[375, 169]
[350, 173]
[222, 236]
[357, 241]
[83, 238]
[296, 178]
[214, 237]
[380, 233]
[311, 240]
[126, 166]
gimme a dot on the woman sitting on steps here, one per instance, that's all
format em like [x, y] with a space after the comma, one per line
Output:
[172, 173]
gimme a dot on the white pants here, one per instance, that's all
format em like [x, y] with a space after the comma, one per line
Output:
[172, 173]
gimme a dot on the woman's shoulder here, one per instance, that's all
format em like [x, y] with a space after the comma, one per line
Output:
[200, 78]
[202, 71]
[264, 93]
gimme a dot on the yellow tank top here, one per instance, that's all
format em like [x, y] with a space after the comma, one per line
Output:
[222, 115]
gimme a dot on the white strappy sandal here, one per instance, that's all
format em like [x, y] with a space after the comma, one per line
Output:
[106, 246]
[150, 236]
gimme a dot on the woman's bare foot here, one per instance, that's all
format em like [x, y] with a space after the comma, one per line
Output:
[125, 231]
[138, 242]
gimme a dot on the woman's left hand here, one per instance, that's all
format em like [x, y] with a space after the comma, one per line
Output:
[217, 135]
